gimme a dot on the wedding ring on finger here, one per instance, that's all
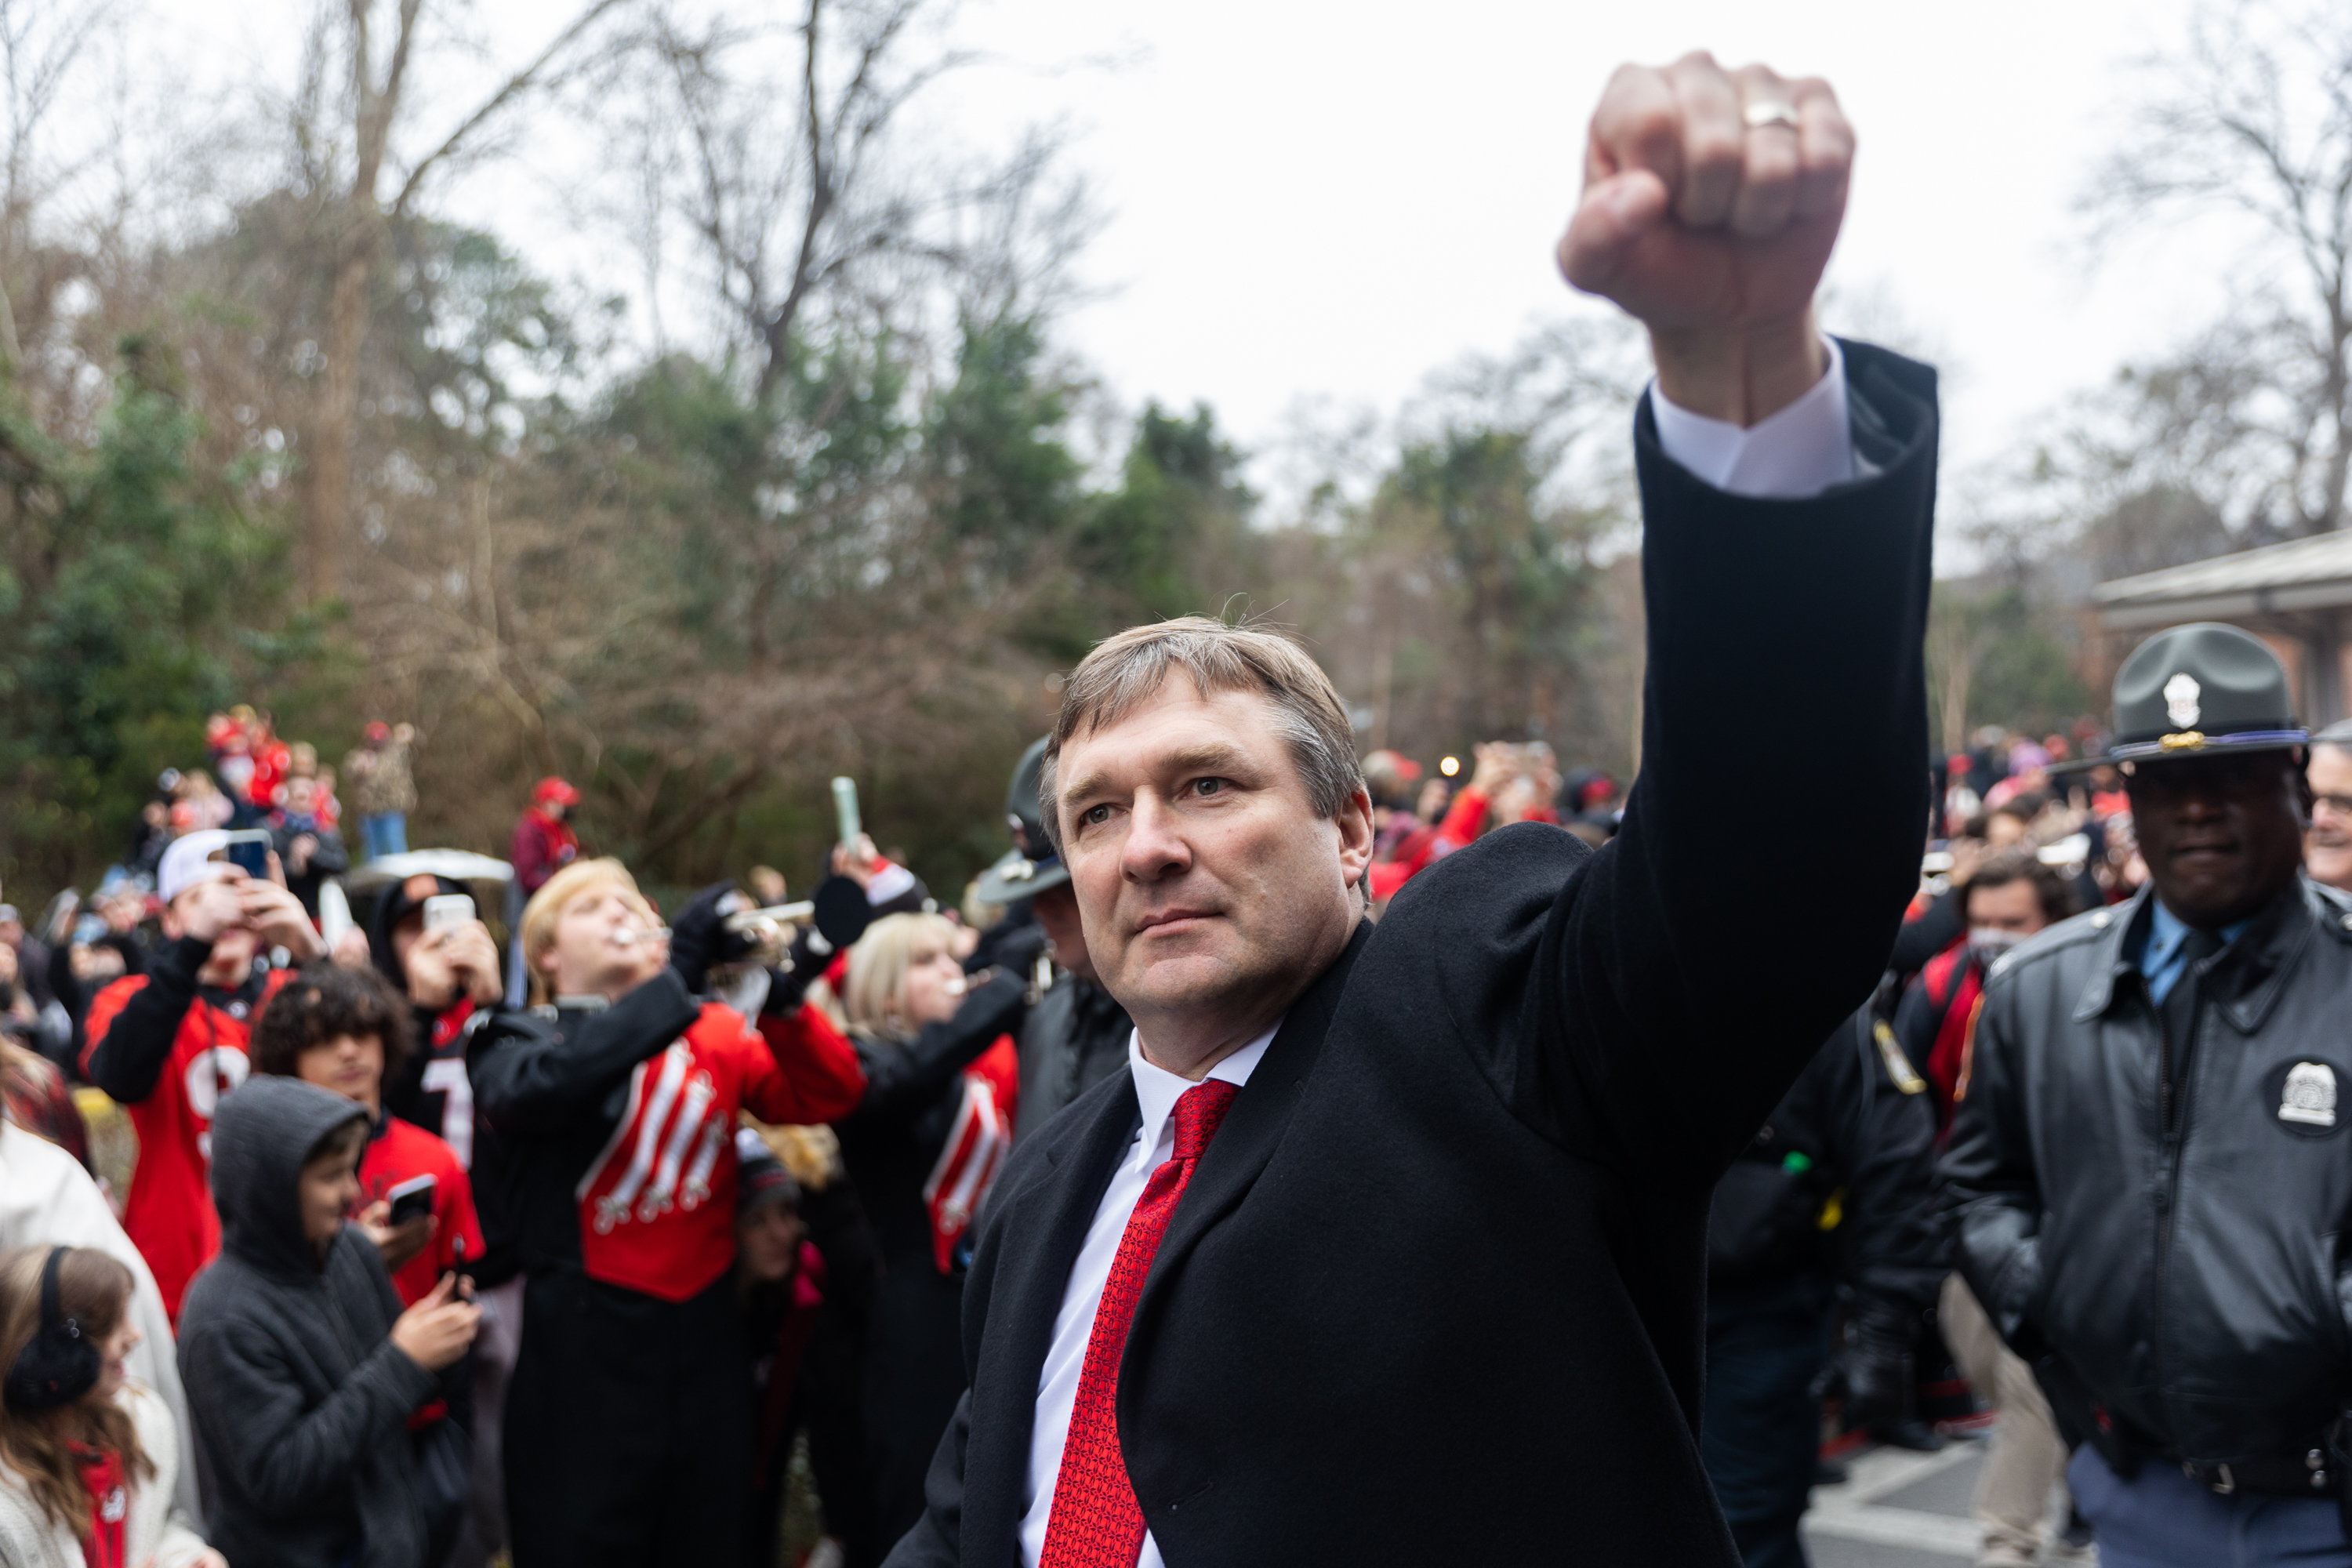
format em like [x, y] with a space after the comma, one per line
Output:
[1761, 114]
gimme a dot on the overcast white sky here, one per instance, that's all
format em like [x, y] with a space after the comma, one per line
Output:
[1331, 198]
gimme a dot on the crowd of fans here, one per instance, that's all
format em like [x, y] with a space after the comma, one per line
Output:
[641, 1240]
[622, 1239]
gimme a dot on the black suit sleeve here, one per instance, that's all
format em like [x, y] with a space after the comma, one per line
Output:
[126, 1060]
[1990, 1195]
[937, 1539]
[526, 1076]
[1776, 628]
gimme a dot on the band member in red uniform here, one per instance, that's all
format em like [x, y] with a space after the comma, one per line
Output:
[924, 1146]
[628, 1438]
[170, 1043]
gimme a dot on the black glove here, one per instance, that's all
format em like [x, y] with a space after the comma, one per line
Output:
[1879, 1337]
[699, 937]
[843, 912]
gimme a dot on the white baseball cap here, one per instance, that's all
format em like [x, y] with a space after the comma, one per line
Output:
[189, 861]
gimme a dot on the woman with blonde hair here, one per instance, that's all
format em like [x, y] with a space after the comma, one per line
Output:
[923, 1147]
[88, 1460]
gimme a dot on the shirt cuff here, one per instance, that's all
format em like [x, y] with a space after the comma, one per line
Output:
[1799, 451]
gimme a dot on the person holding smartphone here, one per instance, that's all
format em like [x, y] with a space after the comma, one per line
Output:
[313, 1392]
[426, 939]
[346, 1029]
[170, 1044]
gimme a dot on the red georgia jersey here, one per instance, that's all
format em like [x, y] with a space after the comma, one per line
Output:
[657, 1205]
[398, 1153]
[168, 1214]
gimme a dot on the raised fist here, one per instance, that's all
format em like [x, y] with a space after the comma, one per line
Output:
[1712, 198]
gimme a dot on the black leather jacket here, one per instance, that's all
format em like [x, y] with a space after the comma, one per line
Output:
[1075, 1038]
[2183, 1293]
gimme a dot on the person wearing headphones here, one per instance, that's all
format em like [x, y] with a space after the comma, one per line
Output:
[88, 1460]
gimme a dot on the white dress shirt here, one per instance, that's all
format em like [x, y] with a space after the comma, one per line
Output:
[1799, 451]
[1156, 1091]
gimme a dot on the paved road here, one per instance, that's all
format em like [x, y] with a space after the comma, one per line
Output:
[1899, 1510]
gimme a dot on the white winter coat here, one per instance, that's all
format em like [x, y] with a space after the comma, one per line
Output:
[158, 1533]
[47, 1199]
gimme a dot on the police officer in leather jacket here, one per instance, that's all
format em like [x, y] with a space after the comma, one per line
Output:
[1076, 1034]
[2149, 1167]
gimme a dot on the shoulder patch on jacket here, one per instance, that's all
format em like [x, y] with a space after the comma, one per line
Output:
[1898, 1066]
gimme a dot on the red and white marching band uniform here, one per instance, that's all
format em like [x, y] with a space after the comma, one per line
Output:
[628, 1434]
[922, 1149]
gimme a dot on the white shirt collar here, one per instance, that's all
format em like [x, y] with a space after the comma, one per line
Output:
[1157, 1090]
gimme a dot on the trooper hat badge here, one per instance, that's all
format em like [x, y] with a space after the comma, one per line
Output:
[1032, 866]
[2196, 689]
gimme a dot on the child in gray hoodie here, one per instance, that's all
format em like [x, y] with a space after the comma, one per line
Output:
[301, 1370]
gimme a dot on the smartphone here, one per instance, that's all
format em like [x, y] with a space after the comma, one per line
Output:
[247, 849]
[844, 811]
[447, 910]
[413, 1199]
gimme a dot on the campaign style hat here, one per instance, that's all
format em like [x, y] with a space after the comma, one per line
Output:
[1033, 866]
[2193, 690]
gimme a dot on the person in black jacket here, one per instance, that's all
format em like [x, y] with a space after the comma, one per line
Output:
[1076, 1035]
[1448, 1177]
[922, 1149]
[302, 1371]
[627, 1438]
[1834, 1196]
[2008, 899]
[80, 970]
[311, 849]
[2148, 1168]
[807, 1267]
[451, 978]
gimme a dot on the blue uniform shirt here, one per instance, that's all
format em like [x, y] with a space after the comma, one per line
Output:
[2161, 961]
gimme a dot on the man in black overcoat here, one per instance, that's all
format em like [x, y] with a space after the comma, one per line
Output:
[1388, 1246]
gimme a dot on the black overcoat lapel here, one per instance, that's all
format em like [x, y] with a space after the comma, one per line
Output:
[1246, 1139]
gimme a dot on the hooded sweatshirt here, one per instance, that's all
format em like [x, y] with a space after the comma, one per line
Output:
[301, 1401]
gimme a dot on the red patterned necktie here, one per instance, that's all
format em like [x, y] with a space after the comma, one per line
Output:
[1096, 1521]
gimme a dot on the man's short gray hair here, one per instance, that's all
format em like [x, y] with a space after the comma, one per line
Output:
[1127, 671]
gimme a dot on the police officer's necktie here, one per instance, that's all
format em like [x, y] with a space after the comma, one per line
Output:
[1096, 1521]
[2180, 1018]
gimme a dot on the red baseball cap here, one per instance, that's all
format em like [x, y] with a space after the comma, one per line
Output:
[377, 730]
[555, 790]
